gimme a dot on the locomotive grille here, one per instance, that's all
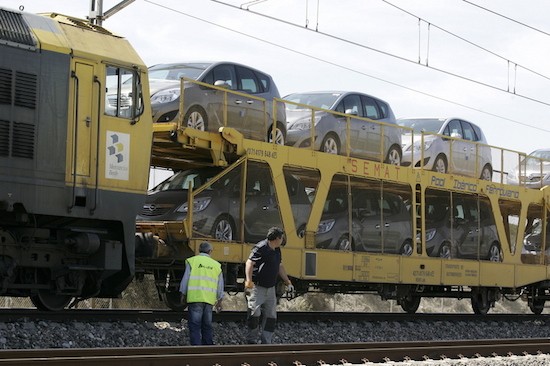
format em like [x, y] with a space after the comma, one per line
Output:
[4, 138]
[14, 30]
[5, 86]
[25, 90]
[23, 140]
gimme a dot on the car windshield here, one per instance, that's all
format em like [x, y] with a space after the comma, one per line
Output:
[175, 72]
[422, 125]
[319, 100]
[181, 180]
[540, 154]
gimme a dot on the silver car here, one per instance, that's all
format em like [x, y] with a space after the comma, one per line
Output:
[533, 171]
[457, 155]
[366, 137]
[204, 107]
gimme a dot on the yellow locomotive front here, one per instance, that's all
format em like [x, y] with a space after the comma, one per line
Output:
[74, 158]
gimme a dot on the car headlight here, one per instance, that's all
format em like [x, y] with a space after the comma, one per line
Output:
[304, 123]
[430, 234]
[427, 144]
[199, 204]
[165, 96]
[325, 226]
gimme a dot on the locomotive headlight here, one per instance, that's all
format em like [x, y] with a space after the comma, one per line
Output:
[199, 204]
[325, 226]
[165, 96]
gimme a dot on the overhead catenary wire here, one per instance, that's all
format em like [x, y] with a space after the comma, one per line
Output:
[345, 67]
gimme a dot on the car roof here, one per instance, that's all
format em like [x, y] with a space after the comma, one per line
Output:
[206, 65]
[340, 92]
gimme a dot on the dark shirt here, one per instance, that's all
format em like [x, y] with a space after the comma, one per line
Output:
[266, 264]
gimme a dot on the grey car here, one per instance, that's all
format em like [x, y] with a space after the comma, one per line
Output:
[465, 229]
[204, 106]
[533, 171]
[366, 137]
[216, 210]
[380, 224]
[444, 155]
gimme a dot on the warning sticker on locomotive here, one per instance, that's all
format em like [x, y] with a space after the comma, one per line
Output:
[117, 159]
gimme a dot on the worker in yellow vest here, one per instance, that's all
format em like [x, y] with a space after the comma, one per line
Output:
[202, 285]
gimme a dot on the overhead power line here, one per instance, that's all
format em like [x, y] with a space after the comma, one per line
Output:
[508, 18]
[341, 66]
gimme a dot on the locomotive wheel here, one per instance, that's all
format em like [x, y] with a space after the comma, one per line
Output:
[537, 306]
[46, 301]
[172, 299]
[410, 304]
[480, 302]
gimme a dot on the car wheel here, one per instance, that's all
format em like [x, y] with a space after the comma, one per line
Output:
[196, 118]
[330, 144]
[279, 134]
[301, 232]
[406, 248]
[445, 250]
[224, 229]
[345, 244]
[487, 173]
[440, 164]
[394, 156]
[495, 254]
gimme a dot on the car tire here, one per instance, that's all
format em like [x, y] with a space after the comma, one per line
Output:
[445, 250]
[406, 248]
[224, 228]
[345, 243]
[301, 232]
[495, 254]
[330, 144]
[196, 118]
[279, 134]
[394, 156]
[486, 173]
[440, 164]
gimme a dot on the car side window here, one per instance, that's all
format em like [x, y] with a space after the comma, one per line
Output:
[468, 131]
[264, 81]
[352, 105]
[477, 130]
[370, 108]
[225, 73]
[247, 81]
[383, 109]
[454, 128]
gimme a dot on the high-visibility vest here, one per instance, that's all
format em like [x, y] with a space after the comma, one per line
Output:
[203, 280]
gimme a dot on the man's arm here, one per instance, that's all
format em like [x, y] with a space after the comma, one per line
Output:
[248, 269]
[284, 276]
[185, 279]
[220, 293]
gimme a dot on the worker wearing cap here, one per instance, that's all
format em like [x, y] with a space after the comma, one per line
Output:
[202, 285]
[263, 267]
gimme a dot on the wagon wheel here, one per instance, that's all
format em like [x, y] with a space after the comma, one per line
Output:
[172, 299]
[47, 301]
[480, 302]
[410, 304]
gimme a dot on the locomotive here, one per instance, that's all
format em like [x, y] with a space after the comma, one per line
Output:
[75, 138]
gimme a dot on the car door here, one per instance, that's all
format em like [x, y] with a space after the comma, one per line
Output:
[351, 104]
[455, 147]
[254, 121]
[370, 219]
[219, 112]
[374, 130]
[395, 222]
[470, 153]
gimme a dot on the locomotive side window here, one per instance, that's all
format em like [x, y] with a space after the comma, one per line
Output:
[123, 97]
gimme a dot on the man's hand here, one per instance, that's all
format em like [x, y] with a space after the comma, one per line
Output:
[289, 287]
[218, 306]
[248, 285]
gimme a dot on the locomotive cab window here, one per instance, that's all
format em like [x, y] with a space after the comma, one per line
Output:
[123, 97]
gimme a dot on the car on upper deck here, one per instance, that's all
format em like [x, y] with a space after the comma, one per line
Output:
[533, 171]
[446, 145]
[205, 107]
[368, 138]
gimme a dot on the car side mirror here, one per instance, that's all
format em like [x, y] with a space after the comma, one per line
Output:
[221, 84]
[351, 111]
[456, 135]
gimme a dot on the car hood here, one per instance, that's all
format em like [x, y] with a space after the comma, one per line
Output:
[159, 84]
[293, 115]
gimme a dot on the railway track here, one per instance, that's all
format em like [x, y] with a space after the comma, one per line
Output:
[109, 315]
[289, 354]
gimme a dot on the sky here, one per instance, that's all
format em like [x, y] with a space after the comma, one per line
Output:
[379, 47]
